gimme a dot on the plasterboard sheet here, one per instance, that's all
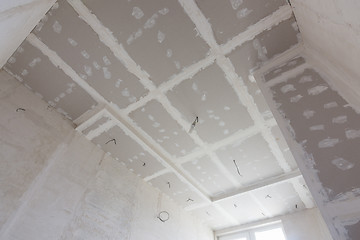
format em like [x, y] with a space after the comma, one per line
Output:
[252, 157]
[207, 173]
[264, 46]
[128, 152]
[171, 185]
[158, 123]
[275, 72]
[95, 125]
[280, 140]
[39, 74]
[243, 208]
[157, 29]
[209, 96]
[231, 17]
[279, 199]
[212, 217]
[79, 46]
[325, 126]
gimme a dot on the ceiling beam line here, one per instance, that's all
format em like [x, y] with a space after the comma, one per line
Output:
[106, 36]
[205, 30]
[259, 185]
[128, 127]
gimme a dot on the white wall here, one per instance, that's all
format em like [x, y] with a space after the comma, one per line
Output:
[307, 225]
[55, 184]
[17, 19]
[331, 32]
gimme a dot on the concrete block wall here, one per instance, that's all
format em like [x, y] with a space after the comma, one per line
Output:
[55, 184]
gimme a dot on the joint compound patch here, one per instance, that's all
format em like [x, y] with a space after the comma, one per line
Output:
[305, 79]
[137, 13]
[317, 90]
[328, 143]
[340, 119]
[330, 105]
[308, 114]
[235, 4]
[287, 88]
[296, 98]
[342, 164]
[352, 134]
[243, 13]
[57, 27]
[317, 127]
[160, 36]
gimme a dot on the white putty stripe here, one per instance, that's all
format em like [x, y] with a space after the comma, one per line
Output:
[101, 129]
[157, 174]
[201, 23]
[97, 116]
[149, 145]
[287, 75]
[187, 73]
[265, 183]
[303, 193]
[282, 14]
[177, 116]
[58, 62]
[106, 37]
[245, 97]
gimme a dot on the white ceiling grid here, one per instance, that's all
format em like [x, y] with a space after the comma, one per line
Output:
[159, 123]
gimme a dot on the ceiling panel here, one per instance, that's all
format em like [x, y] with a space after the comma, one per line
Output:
[207, 173]
[275, 72]
[77, 44]
[210, 97]
[128, 152]
[249, 160]
[280, 198]
[231, 17]
[158, 123]
[243, 208]
[38, 73]
[158, 34]
[264, 46]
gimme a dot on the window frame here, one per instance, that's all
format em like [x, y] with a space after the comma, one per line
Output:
[249, 233]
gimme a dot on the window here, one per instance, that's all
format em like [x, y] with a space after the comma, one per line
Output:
[270, 232]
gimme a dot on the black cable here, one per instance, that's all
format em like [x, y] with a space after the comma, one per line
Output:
[163, 216]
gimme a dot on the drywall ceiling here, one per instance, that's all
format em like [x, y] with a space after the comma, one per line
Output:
[165, 87]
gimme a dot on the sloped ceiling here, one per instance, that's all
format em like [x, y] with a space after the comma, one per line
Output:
[165, 87]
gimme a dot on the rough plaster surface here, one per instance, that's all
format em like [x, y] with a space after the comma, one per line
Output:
[331, 30]
[58, 185]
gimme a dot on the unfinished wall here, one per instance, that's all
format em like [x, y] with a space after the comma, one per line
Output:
[331, 32]
[17, 19]
[323, 132]
[307, 224]
[55, 184]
